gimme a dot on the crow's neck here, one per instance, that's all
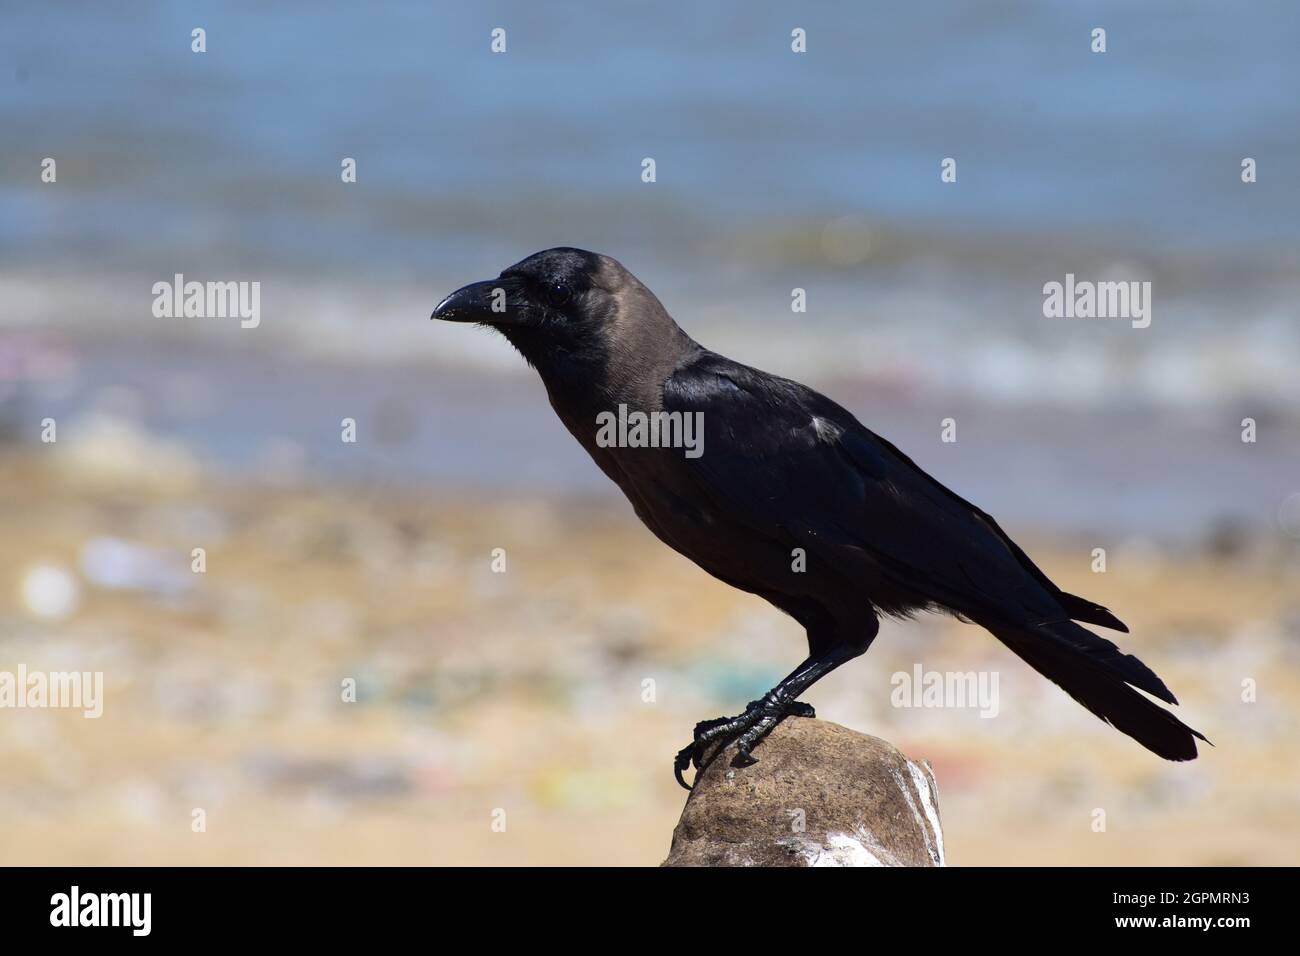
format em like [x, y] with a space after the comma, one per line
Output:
[585, 378]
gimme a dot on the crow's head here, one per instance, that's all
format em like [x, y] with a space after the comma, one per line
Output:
[576, 316]
[562, 296]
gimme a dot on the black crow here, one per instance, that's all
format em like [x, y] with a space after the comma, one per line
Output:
[790, 497]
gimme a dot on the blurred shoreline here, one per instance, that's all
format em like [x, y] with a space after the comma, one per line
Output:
[234, 405]
[925, 326]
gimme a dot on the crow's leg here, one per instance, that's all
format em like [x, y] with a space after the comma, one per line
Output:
[763, 714]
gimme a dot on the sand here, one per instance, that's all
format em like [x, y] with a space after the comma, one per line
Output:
[530, 716]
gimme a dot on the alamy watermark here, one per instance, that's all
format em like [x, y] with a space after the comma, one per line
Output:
[946, 689]
[208, 300]
[24, 689]
[636, 429]
[1084, 299]
[129, 910]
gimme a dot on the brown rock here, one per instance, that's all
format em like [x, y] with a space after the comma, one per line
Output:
[820, 795]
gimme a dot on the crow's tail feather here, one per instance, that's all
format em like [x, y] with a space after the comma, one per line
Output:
[1081, 609]
[1094, 672]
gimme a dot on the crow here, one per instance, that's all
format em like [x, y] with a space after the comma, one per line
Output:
[789, 497]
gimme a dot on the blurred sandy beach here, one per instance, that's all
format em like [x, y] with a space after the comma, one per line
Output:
[523, 690]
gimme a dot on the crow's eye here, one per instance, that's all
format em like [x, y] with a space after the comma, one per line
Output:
[558, 294]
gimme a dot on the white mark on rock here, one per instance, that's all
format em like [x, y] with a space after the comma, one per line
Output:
[859, 848]
[928, 789]
[911, 803]
[936, 855]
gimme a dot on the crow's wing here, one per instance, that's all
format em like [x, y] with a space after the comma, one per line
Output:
[779, 454]
[786, 461]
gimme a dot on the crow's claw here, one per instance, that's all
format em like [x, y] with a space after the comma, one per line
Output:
[747, 728]
[684, 758]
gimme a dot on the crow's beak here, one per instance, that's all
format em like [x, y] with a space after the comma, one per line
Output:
[477, 302]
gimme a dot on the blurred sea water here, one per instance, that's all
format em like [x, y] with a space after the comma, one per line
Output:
[774, 171]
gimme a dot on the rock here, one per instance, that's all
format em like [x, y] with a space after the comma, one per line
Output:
[820, 795]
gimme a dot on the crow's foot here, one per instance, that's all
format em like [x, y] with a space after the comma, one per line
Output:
[747, 729]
